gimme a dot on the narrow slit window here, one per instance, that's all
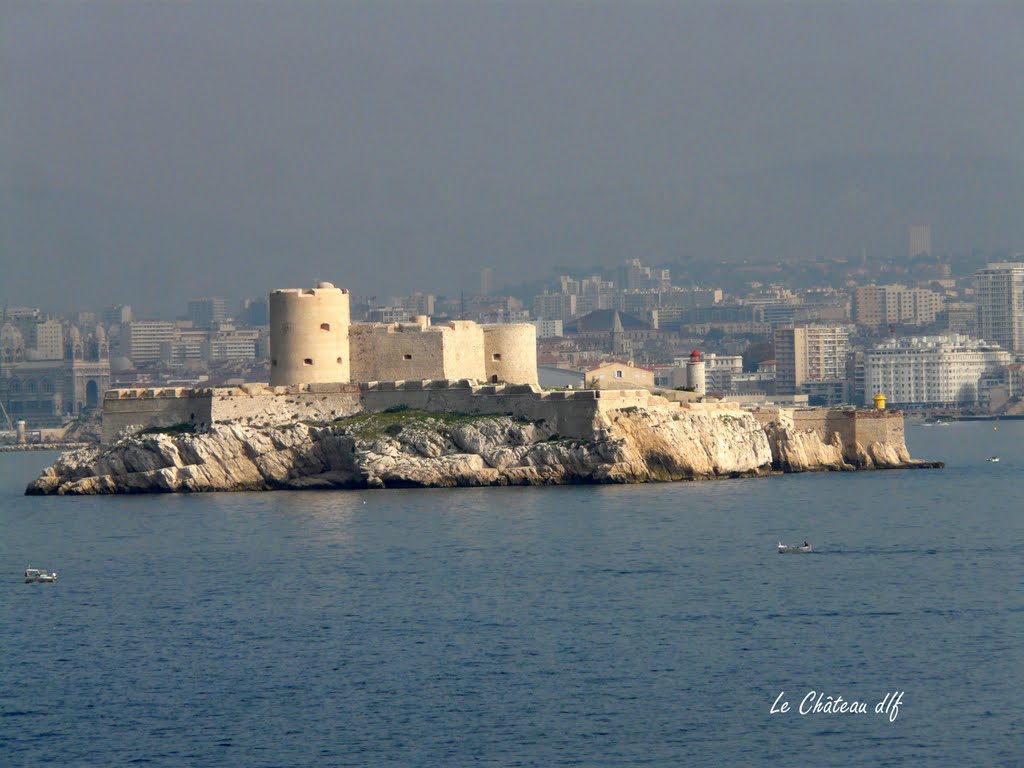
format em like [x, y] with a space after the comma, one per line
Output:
[308, 361]
[339, 361]
[325, 326]
[407, 357]
[496, 356]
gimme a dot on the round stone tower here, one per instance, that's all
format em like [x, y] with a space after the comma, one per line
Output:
[510, 353]
[309, 335]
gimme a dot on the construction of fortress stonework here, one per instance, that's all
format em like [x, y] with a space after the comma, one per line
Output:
[411, 404]
[325, 367]
[312, 340]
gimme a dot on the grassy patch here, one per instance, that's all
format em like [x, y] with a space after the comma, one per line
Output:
[368, 426]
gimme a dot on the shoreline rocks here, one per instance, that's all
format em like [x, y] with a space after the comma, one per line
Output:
[415, 449]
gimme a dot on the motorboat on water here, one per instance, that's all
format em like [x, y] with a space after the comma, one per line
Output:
[794, 550]
[39, 576]
[994, 458]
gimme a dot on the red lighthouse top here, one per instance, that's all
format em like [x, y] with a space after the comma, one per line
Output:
[695, 356]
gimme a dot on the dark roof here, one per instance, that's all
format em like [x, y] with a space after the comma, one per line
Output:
[603, 320]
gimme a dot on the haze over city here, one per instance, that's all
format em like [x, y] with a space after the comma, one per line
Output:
[155, 152]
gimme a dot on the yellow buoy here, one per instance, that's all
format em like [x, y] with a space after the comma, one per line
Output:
[879, 402]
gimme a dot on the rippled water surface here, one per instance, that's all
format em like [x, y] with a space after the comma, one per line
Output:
[593, 626]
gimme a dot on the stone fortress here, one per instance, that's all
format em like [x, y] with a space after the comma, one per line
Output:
[313, 341]
[324, 367]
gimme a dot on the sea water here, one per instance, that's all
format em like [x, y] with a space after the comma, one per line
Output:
[594, 626]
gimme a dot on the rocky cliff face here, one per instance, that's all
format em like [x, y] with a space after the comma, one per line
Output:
[804, 451]
[416, 449]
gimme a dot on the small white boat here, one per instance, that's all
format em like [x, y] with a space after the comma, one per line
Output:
[37, 576]
[796, 550]
[994, 458]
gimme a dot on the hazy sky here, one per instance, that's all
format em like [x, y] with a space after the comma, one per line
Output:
[152, 152]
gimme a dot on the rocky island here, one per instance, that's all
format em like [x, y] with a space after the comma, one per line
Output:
[398, 405]
[403, 447]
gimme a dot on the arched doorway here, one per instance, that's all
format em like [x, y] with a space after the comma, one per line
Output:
[92, 394]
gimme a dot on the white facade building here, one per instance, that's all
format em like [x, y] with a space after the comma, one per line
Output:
[931, 370]
[49, 340]
[548, 329]
[999, 292]
[141, 340]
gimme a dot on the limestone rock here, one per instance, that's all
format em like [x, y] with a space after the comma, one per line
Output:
[630, 445]
[803, 450]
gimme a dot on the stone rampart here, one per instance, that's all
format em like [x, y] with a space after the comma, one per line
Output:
[570, 413]
[855, 426]
[313, 402]
[255, 404]
[155, 407]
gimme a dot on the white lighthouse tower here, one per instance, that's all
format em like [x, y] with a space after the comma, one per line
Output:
[695, 372]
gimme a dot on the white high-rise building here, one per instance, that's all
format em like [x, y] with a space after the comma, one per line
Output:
[931, 370]
[999, 292]
[141, 339]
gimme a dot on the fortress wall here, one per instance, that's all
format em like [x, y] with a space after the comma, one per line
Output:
[270, 408]
[395, 352]
[814, 419]
[402, 351]
[159, 407]
[880, 427]
[510, 353]
[251, 403]
[571, 414]
[855, 426]
[464, 350]
[309, 338]
[765, 415]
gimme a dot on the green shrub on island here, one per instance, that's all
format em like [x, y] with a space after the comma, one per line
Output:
[391, 421]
